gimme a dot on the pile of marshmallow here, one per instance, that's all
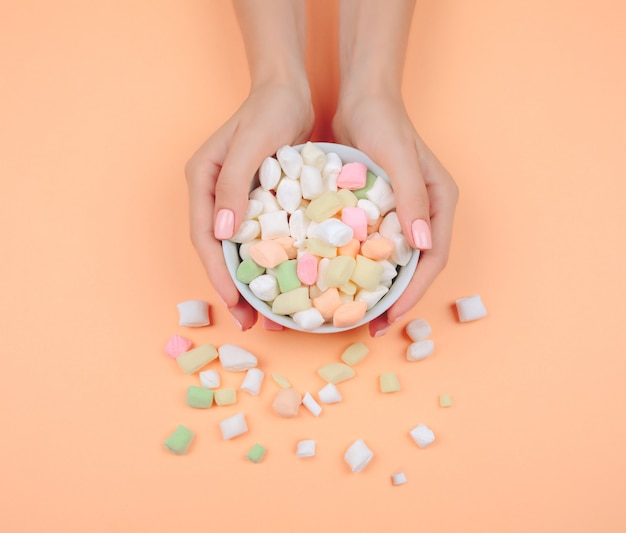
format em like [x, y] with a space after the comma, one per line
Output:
[320, 240]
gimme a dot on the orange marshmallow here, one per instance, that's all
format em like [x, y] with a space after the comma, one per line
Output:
[268, 253]
[287, 244]
[348, 314]
[351, 249]
[377, 248]
[327, 303]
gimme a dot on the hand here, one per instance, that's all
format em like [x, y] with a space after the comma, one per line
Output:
[424, 190]
[220, 172]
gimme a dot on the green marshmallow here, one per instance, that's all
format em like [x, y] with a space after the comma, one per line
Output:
[195, 359]
[389, 382]
[354, 353]
[445, 400]
[248, 270]
[287, 275]
[370, 178]
[225, 396]
[256, 454]
[178, 442]
[199, 397]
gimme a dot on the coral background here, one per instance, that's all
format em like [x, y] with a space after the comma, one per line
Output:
[101, 104]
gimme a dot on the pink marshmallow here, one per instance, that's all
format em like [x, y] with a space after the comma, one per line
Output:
[177, 345]
[356, 218]
[307, 269]
[353, 176]
[268, 253]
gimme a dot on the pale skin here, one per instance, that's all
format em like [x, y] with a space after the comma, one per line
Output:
[372, 41]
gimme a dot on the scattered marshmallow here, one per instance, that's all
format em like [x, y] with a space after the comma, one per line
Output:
[336, 372]
[178, 442]
[253, 380]
[281, 381]
[418, 329]
[233, 426]
[422, 435]
[354, 353]
[236, 359]
[420, 350]
[329, 394]
[309, 402]
[256, 454]
[306, 448]
[470, 308]
[389, 382]
[445, 400]
[195, 359]
[177, 345]
[193, 313]
[287, 402]
[210, 379]
[399, 478]
[358, 455]
[225, 396]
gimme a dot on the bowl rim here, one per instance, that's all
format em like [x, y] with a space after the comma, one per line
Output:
[401, 281]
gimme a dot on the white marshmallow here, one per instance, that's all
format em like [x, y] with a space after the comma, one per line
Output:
[289, 194]
[298, 224]
[252, 381]
[371, 210]
[422, 435]
[309, 402]
[253, 209]
[371, 298]
[402, 250]
[329, 394]
[309, 319]
[193, 313]
[244, 248]
[311, 228]
[358, 455]
[274, 225]
[333, 166]
[269, 173]
[266, 198]
[265, 287]
[311, 182]
[418, 329]
[470, 308]
[233, 426]
[248, 231]
[334, 232]
[399, 478]
[313, 155]
[290, 161]
[235, 359]
[389, 270]
[321, 274]
[390, 225]
[420, 350]
[210, 379]
[382, 195]
[306, 448]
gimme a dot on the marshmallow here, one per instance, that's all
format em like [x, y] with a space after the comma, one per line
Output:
[209, 379]
[306, 448]
[366, 273]
[389, 270]
[358, 456]
[195, 359]
[268, 254]
[286, 402]
[298, 224]
[193, 313]
[377, 247]
[248, 270]
[352, 176]
[418, 329]
[355, 218]
[371, 298]
[253, 380]
[269, 173]
[334, 232]
[372, 213]
[420, 350]
[322, 267]
[233, 426]
[470, 308]
[398, 478]
[309, 402]
[244, 252]
[402, 250]
[390, 225]
[248, 231]
[289, 195]
[351, 248]
[320, 248]
[422, 435]
[236, 359]
[389, 382]
[288, 244]
[287, 275]
[281, 381]
[265, 287]
[225, 396]
[311, 182]
[313, 155]
[333, 165]
[290, 161]
[349, 313]
[336, 372]
[354, 353]
[327, 303]
[382, 195]
[274, 225]
[199, 397]
[177, 345]
[253, 210]
[339, 271]
[309, 319]
[307, 269]
[329, 394]
[445, 400]
[324, 206]
[268, 200]
[370, 179]
[178, 442]
[347, 198]
[256, 454]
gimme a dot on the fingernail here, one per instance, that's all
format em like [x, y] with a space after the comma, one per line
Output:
[421, 234]
[382, 331]
[224, 224]
[397, 319]
[237, 323]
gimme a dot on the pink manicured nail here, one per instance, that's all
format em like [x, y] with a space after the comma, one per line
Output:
[421, 234]
[224, 224]
[237, 323]
[382, 331]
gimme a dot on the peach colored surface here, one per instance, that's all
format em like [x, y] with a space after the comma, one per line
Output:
[102, 103]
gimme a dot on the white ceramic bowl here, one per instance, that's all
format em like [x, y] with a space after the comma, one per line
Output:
[405, 273]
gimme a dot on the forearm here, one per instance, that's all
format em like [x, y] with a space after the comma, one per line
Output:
[373, 36]
[274, 36]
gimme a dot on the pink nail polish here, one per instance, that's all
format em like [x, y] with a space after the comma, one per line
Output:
[237, 323]
[224, 224]
[382, 331]
[421, 234]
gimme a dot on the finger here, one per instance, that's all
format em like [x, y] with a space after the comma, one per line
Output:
[379, 326]
[244, 315]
